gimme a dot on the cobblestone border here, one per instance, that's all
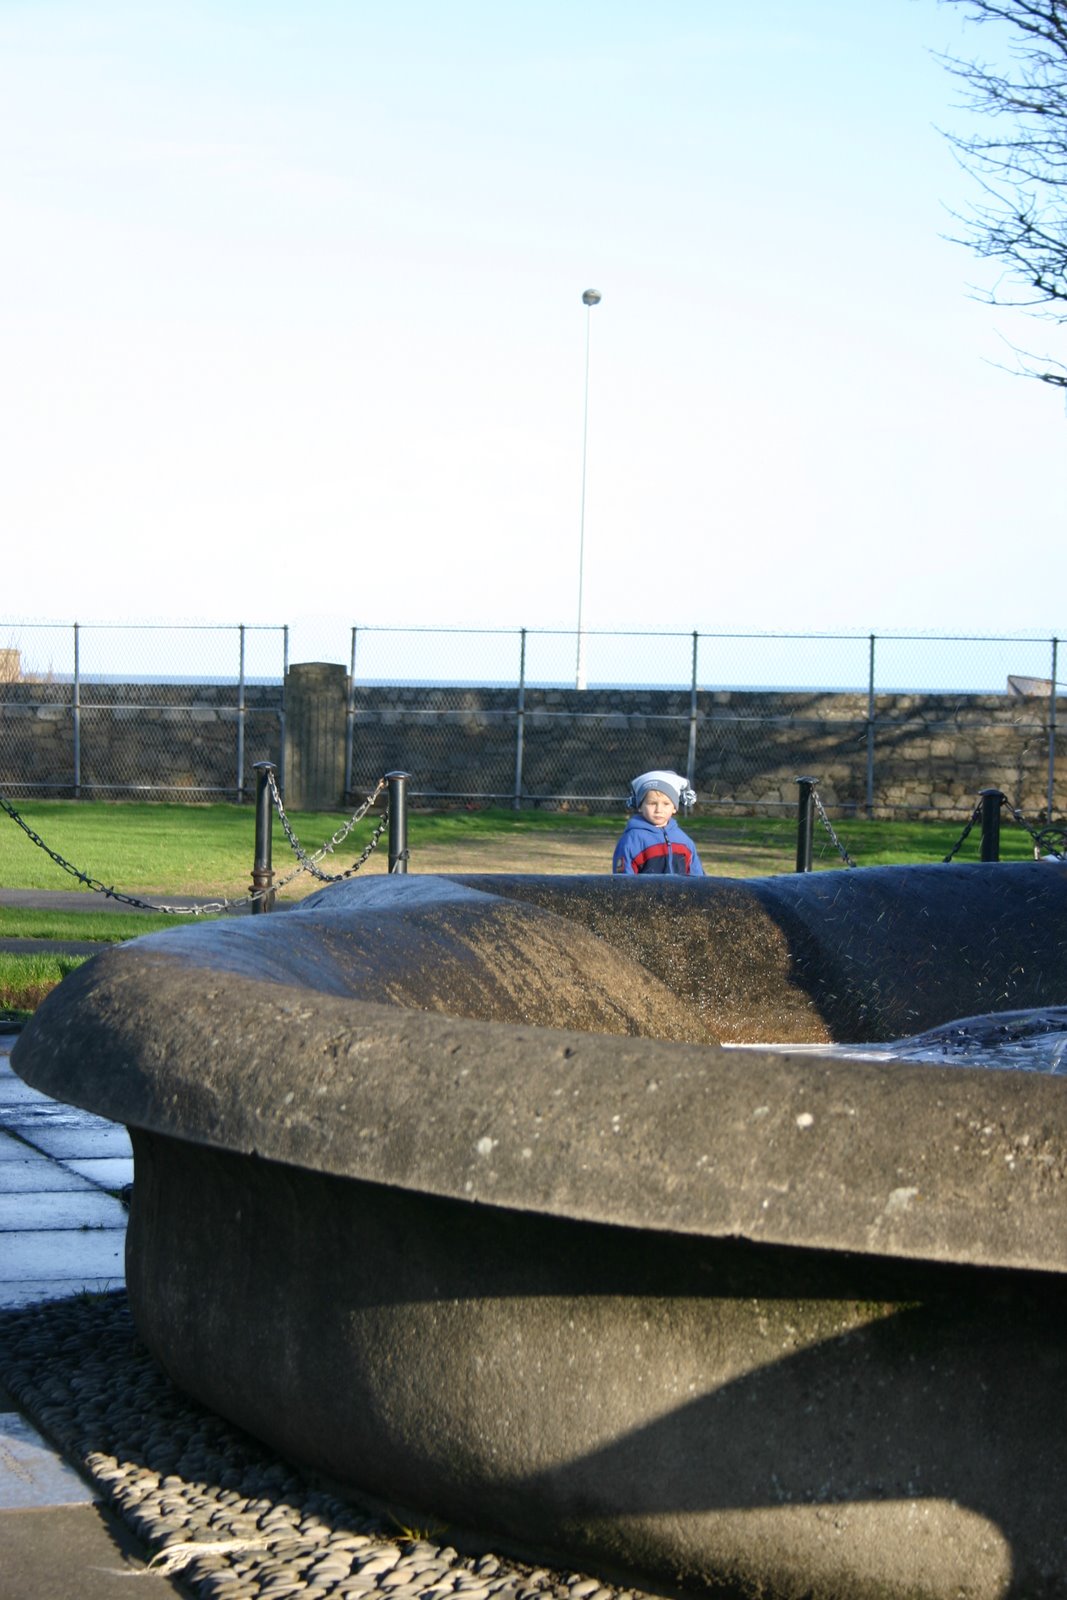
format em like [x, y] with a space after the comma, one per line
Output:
[214, 1507]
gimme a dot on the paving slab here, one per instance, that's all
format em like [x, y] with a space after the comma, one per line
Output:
[26, 1117]
[13, 1092]
[104, 1172]
[24, 1168]
[31, 1474]
[14, 1149]
[73, 1255]
[78, 1142]
[18, 1295]
[27, 1171]
[27, 1210]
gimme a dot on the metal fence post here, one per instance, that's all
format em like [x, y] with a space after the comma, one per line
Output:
[398, 820]
[1050, 807]
[76, 708]
[992, 800]
[262, 872]
[805, 822]
[691, 759]
[520, 720]
[241, 716]
[350, 716]
[870, 730]
[281, 714]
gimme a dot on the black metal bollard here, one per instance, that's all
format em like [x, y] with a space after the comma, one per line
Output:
[992, 800]
[262, 872]
[805, 822]
[398, 820]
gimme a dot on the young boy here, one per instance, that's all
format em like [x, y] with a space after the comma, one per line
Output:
[652, 841]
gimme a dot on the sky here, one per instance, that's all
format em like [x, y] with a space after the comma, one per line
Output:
[293, 331]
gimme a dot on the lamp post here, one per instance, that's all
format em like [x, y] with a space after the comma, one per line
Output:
[590, 298]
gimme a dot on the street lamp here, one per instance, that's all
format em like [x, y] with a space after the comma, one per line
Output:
[590, 298]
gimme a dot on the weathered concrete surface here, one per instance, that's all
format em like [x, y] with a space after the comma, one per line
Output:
[856, 955]
[440, 1187]
[692, 1413]
[950, 1164]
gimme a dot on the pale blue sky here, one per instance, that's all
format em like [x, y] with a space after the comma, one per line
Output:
[292, 321]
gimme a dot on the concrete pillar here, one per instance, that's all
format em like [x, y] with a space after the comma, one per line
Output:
[316, 704]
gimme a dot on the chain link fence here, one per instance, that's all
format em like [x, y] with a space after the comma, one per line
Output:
[888, 724]
[139, 711]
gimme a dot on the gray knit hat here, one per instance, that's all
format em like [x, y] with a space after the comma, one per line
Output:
[672, 784]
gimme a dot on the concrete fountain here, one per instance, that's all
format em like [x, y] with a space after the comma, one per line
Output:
[455, 1190]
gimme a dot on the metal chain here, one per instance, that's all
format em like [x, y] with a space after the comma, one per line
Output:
[1043, 842]
[1042, 836]
[307, 863]
[975, 814]
[110, 893]
[828, 825]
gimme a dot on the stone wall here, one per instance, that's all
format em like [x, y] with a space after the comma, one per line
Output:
[927, 755]
[137, 741]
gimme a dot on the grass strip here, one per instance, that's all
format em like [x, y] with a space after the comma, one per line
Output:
[26, 980]
[160, 851]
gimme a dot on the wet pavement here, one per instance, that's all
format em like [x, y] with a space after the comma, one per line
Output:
[62, 1171]
[62, 1233]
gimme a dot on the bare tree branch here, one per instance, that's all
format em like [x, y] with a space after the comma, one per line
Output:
[1020, 168]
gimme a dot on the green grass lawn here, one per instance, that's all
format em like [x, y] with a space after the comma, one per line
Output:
[137, 848]
[25, 980]
[156, 852]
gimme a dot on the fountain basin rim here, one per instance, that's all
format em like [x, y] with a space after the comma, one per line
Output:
[919, 1162]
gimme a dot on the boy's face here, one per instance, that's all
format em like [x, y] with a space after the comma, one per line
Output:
[657, 808]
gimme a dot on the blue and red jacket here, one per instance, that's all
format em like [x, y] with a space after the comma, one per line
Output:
[644, 848]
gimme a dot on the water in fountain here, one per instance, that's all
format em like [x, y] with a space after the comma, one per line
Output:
[1027, 1041]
